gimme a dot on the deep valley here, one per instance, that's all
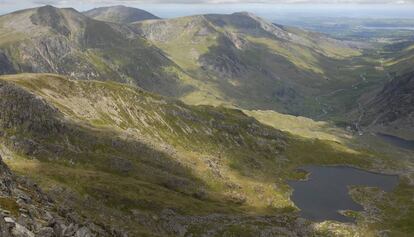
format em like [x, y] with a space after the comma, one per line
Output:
[116, 122]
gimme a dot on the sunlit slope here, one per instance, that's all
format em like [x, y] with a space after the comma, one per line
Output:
[133, 154]
[236, 60]
[250, 63]
[300, 126]
[399, 57]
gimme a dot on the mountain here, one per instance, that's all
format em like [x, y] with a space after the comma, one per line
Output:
[120, 14]
[237, 60]
[140, 164]
[244, 61]
[388, 108]
[392, 109]
[64, 41]
[399, 57]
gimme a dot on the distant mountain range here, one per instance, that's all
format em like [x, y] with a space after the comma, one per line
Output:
[133, 125]
[210, 59]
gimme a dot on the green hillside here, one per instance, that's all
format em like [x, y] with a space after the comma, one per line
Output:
[244, 61]
[236, 60]
[146, 161]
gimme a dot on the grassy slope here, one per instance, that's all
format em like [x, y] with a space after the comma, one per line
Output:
[132, 150]
[230, 61]
[300, 126]
[233, 60]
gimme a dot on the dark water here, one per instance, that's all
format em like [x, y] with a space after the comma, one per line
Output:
[326, 192]
[397, 141]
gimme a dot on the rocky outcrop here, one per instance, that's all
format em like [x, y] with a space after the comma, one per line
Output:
[25, 112]
[6, 67]
[394, 105]
[26, 211]
[64, 41]
[51, 17]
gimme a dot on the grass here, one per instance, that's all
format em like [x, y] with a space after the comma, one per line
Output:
[10, 205]
[300, 126]
[128, 149]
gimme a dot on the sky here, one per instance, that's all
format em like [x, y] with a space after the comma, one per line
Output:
[270, 9]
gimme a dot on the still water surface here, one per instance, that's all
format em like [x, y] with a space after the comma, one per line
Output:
[326, 191]
[397, 141]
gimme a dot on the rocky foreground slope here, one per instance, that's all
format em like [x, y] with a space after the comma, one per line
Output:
[138, 164]
[26, 211]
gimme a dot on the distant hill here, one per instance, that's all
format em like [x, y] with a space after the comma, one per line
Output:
[120, 14]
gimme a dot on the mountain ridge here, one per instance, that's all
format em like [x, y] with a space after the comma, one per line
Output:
[156, 164]
[64, 41]
[120, 14]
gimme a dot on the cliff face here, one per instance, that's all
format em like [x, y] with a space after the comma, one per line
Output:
[393, 107]
[64, 41]
[26, 112]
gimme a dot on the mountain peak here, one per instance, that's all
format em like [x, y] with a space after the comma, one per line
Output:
[52, 17]
[120, 14]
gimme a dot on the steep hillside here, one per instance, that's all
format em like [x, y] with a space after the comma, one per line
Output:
[236, 60]
[26, 211]
[146, 165]
[120, 14]
[64, 41]
[392, 109]
[399, 57]
[245, 61]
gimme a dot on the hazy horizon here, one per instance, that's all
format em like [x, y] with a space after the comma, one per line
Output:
[268, 11]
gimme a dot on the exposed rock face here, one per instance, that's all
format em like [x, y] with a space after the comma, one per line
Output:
[25, 211]
[6, 67]
[64, 41]
[394, 105]
[120, 14]
[50, 16]
[23, 110]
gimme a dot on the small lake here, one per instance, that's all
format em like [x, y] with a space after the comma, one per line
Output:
[326, 191]
[397, 141]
